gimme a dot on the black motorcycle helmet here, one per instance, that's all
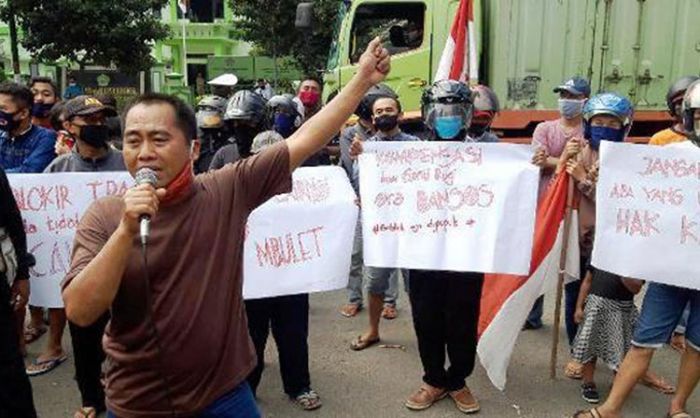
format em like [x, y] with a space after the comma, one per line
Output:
[246, 105]
[364, 109]
[447, 99]
[677, 90]
[282, 103]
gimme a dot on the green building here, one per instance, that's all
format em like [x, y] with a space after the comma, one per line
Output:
[202, 32]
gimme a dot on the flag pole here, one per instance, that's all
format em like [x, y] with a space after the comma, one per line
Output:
[560, 280]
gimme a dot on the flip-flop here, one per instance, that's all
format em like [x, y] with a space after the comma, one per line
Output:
[389, 312]
[45, 366]
[32, 334]
[350, 310]
[359, 344]
[86, 412]
[679, 414]
[593, 413]
[660, 385]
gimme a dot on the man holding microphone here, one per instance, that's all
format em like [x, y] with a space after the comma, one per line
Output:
[177, 343]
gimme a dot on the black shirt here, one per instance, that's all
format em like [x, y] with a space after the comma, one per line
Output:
[11, 220]
[609, 286]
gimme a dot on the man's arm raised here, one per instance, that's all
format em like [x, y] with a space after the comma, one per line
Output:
[374, 65]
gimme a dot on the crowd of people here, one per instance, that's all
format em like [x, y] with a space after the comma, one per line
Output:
[143, 330]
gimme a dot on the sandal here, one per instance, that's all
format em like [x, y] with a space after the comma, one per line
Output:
[658, 384]
[86, 412]
[573, 370]
[308, 400]
[389, 312]
[359, 344]
[679, 414]
[42, 367]
[350, 310]
[32, 334]
[592, 413]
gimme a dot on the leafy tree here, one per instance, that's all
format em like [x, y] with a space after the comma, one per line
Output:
[98, 32]
[269, 25]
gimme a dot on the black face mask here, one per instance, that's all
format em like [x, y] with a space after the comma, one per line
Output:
[8, 122]
[244, 138]
[95, 135]
[386, 123]
[475, 131]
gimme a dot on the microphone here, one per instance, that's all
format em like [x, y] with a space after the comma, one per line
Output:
[145, 176]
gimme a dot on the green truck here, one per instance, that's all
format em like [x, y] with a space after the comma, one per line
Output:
[526, 47]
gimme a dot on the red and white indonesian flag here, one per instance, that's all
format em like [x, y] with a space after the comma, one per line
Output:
[459, 60]
[506, 300]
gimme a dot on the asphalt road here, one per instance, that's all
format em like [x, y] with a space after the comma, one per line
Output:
[375, 382]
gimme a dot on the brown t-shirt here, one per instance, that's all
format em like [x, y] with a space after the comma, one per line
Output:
[195, 267]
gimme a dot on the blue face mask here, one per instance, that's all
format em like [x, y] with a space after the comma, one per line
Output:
[448, 127]
[603, 133]
[284, 124]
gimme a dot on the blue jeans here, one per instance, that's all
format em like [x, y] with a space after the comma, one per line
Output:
[662, 309]
[238, 403]
[534, 318]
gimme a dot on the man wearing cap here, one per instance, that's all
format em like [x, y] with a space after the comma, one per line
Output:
[551, 137]
[85, 121]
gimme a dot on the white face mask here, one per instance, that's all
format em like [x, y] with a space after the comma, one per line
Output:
[570, 108]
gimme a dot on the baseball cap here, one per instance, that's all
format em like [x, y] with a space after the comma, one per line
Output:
[575, 85]
[264, 140]
[85, 105]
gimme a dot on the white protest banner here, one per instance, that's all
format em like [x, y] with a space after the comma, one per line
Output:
[302, 241]
[448, 206]
[648, 212]
[51, 206]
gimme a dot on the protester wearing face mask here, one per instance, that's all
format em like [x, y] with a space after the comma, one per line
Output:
[45, 97]
[286, 316]
[309, 95]
[24, 147]
[445, 304]
[73, 90]
[245, 118]
[386, 114]
[485, 109]
[211, 130]
[362, 131]
[85, 122]
[550, 138]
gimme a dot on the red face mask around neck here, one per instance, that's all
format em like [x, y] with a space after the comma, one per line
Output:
[180, 185]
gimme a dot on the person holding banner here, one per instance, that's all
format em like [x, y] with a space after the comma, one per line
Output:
[662, 308]
[177, 343]
[85, 121]
[16, 394]
[446, 303]
[550, 138]
[363, 130]
[386, 112]
[287, 316]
